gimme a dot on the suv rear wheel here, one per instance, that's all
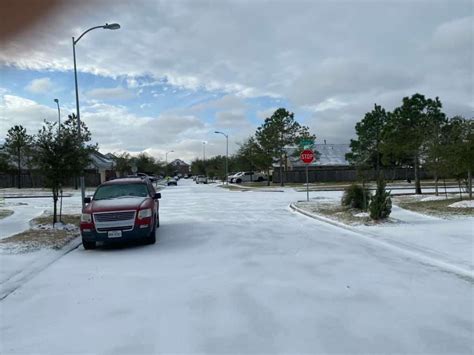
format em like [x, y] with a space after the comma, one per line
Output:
[88, 244]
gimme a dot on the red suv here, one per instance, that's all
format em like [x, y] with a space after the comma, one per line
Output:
[122, 209]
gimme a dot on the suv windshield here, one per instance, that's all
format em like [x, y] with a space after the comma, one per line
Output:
[121, 190]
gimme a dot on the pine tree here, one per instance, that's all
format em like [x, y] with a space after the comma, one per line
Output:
[278, 131]
[366, 150]
[17, 142]
[62, 154]
[380, 203]
[408, 130]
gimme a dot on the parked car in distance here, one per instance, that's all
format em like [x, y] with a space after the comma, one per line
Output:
[123, 209]
[201, 179]
[231, 176]
[171, 181]
[248, 176]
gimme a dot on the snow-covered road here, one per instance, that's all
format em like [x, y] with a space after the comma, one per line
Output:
[237, 272]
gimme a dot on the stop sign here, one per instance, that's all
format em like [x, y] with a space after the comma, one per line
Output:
[307, 156]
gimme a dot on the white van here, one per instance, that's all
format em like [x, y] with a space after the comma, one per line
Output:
[247, 176]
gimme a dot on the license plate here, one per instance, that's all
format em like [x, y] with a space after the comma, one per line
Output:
[115, 234]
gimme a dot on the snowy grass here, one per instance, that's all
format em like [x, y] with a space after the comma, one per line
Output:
[437, 206]
[5, 213]
[332, 209]
[43, 234]
[463, 204]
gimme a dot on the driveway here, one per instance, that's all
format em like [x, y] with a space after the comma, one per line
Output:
[238, 272]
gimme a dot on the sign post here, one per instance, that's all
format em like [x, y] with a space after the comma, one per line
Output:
[307, 157]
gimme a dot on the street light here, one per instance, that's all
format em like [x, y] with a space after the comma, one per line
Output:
[59, 115]
[204, 156]
[112, 26]
[226, 155]
[61, 189]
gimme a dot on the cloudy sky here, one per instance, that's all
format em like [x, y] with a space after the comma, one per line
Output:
[177, 71]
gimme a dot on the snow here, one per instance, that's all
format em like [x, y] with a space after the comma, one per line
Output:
[463, 204]
[450, 241]
[237, 272]
[433, 198]
[362, 215]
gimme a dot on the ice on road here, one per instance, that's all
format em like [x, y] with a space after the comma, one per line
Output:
[237, 272]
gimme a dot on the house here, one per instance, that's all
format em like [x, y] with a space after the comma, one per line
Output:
[180, 167]
[330, 164]
[101, 164]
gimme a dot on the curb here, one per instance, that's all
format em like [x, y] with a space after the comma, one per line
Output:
[17, 280]
[422, 258]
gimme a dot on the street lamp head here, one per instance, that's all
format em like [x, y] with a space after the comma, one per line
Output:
[56, 100]
[112, 26]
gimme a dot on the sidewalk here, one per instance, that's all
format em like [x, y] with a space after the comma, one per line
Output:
[438, 241]
[451, 240]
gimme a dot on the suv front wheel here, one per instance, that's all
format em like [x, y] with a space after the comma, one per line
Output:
[152, 237]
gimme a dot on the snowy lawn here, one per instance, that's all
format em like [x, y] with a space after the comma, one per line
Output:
[27, 241]
[237, 272]
[448, 240]
[43, 234]
[439, 206]
[5, 213]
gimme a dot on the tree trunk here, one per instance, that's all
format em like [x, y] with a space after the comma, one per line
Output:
[19, 168]
[445, 191]
[417, 176]
[55, 210]
[281, 171]
[268, 177]
[436, 183]
[460, 189]
[469, 182]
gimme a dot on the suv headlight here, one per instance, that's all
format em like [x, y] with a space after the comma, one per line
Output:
[144, 213]
[86, 217]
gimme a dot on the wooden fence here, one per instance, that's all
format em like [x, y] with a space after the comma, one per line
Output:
[36, 180]
[335, 174]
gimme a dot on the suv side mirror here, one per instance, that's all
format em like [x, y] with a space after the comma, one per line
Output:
[157, 196]
[87, 200]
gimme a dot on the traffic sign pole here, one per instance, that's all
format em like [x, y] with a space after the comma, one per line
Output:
[307, 156]
[307, 183]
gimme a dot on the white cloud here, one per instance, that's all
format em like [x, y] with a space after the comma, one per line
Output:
[235, 118]
[453, 35]
[328, 104]
[15, 110]
[337, 60]
[40, 86]
[117, 93]
[268, 112]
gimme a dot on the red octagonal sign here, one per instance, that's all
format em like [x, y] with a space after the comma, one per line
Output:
[307, 156]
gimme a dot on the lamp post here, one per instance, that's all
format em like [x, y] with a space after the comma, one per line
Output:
[112, 26]
[166, 160]
[60, 187]
[226, 154]
[59, 115]
[204, 156]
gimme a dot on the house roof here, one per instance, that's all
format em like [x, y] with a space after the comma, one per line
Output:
[100, 161]
[326, 155]
[178, 162]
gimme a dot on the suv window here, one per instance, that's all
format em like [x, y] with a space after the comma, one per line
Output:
[121, 190]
